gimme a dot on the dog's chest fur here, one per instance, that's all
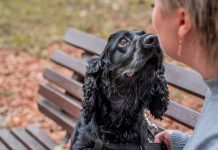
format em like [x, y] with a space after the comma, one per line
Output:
[120, 117]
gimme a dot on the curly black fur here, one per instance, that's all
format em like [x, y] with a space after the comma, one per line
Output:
[114, 104]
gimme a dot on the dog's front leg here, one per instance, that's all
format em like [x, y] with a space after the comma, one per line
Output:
[76, 132]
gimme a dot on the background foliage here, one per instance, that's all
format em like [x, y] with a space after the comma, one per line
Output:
[34, 24]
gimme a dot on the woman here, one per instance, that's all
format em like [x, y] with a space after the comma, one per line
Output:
[188, 32]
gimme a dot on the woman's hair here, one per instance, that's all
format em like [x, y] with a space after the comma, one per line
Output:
[204, 15]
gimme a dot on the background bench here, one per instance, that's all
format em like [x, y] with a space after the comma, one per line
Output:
[31, 138]
[62, 104]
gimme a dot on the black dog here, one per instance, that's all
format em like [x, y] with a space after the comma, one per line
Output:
[125, 80]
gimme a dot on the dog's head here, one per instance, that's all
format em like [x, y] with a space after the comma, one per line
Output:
[131, 51]
[134, 58]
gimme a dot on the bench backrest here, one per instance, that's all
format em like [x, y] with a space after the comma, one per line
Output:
[63, 105]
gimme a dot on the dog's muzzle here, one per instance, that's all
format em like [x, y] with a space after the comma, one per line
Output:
[149, 41]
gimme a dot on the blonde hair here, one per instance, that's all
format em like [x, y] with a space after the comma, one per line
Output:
[204, 15]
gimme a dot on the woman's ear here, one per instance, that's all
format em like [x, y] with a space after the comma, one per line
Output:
[90, 88]
[184, 22]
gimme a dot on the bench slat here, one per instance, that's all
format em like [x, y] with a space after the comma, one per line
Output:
[69, 62]
[187, 80]
[189, 117]
[85, 41]
[10, 140]
[65, 60]
[3, 146]
[41, 137]
[63, 119]
[174, 75]
[182, 114]
[72, 37]
[70, 85]
[26, 139]
[174, 111]
[69, 104]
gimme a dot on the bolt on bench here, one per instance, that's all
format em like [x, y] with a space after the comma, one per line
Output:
[64, 107]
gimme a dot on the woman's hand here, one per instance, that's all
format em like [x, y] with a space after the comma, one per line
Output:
[164, 136]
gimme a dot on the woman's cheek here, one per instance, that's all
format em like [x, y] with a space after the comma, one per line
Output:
[169, 46]
[158, 23]
[165, 31]
[154, 19]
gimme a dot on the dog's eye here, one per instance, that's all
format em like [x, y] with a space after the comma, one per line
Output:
[123, 42]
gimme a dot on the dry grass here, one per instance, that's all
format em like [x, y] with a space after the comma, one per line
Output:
[35, 24]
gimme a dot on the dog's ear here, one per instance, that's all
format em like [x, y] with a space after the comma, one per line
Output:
[159, 97]
[90, 88]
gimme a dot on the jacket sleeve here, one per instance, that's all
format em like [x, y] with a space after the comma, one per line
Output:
[179, 140]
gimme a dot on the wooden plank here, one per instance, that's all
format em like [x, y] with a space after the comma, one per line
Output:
[189, 117]
[190, 81]
[182, 114]
[69, 62]
[64, 120]
[189, 120]
[187, 80]
[174, 110]
[72, 86]
[41, 137]
[69, 104]
[8, 139]
[88, 42]
[3, 146]
[27, 139]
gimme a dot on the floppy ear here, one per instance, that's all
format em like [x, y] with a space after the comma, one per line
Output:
[159, 97]
[90, 87]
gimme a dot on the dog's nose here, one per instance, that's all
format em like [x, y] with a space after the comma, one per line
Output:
[150, 41]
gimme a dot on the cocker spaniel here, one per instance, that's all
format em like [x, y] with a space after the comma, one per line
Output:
[126, 79]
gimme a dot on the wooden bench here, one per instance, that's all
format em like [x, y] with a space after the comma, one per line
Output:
[31, 138]
[64, 107]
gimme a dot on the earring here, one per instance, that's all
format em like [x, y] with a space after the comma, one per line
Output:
[180, 48]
